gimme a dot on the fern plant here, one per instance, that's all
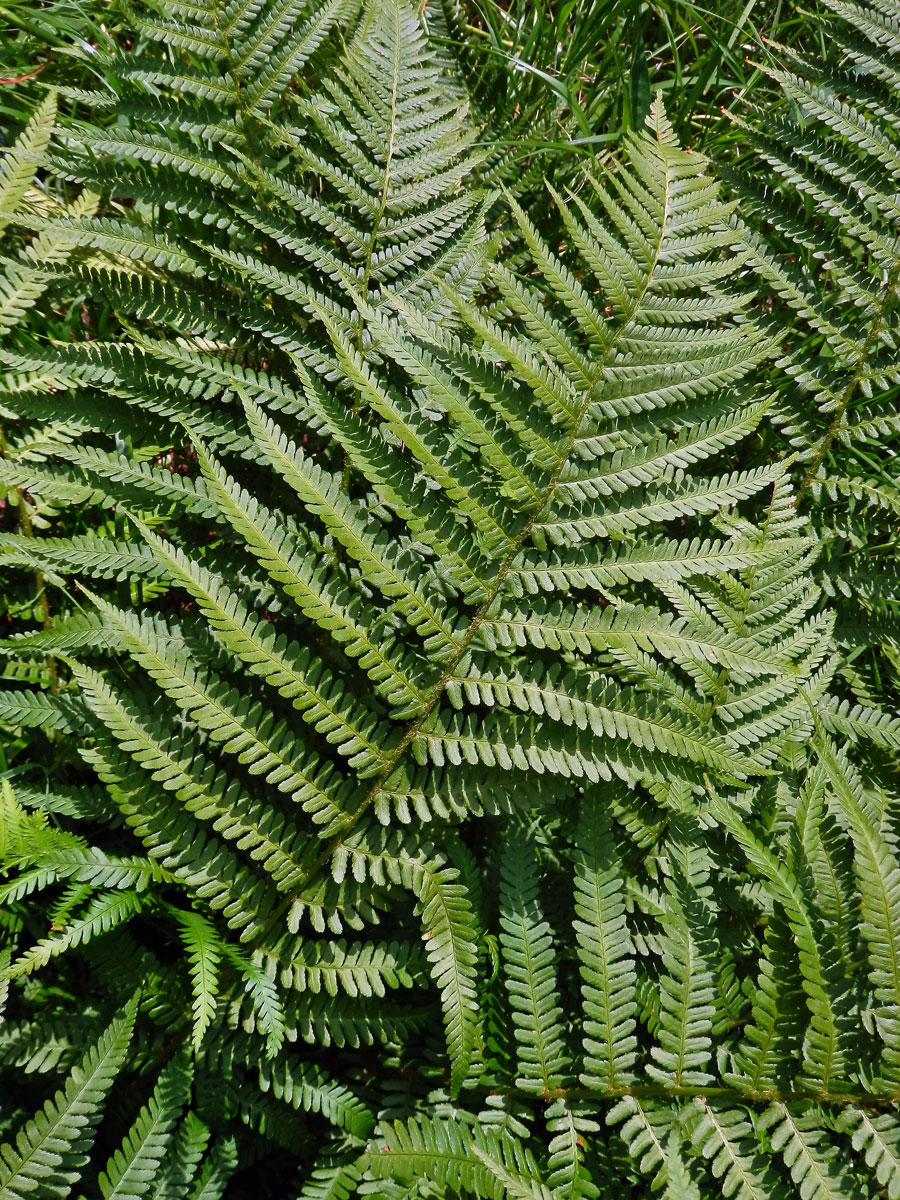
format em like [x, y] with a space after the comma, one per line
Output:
[822, 238]
[780, 1110]
[457, 783]
[163, 1153]
[31, 405]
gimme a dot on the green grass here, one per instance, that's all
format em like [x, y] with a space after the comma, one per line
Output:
[38, 45]
[601, 61]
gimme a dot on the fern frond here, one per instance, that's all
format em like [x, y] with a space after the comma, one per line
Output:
[644, 1130]
[320, 492]
[460, 1155]
[450, 947]
[188, 1147]
[773, 1035]
[606, 963]
[568, 1174]
[211, 796]
[687, 987]
[221, 1163]
[303, 581]
[136, 1164]
[527, 945]
[104, 912]
[435, 578]
[878, 1136]
[834, 143]
[721, 1135]
[878, 875]
[203, 951]
[331, 1182]
[825, 1056]
[266, 748]
[305, 1086]
[367, 969]
[815, 1168]
[21, 162]
[52, 1149]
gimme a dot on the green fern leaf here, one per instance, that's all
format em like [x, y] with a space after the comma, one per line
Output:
[606, 964]
[879, 882]
[824, 1060]
[203, 951]
[137, 1162]
[814, 1167]
[21, 162]
[721, 1135]
[52, 1149]
[878, 1135]
[527, 945]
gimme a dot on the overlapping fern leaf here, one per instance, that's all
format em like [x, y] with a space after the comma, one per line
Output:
[828, 250]
[714, 1037]
[356, 185]
[37, 417]
[434, 622]
[836, 137]
[31, 401]
[166, 1148]
[343, 664]
[551, 514]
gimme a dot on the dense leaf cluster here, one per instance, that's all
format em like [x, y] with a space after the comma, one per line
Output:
[449, 668]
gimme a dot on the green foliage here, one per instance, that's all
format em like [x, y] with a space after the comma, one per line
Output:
[437, 763]
[831, 154]
[50, 1151]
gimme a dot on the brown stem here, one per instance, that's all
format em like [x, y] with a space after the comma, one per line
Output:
[659, 1091]
[7, 79]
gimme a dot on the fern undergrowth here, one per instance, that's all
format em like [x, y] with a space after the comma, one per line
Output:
[450, 671]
